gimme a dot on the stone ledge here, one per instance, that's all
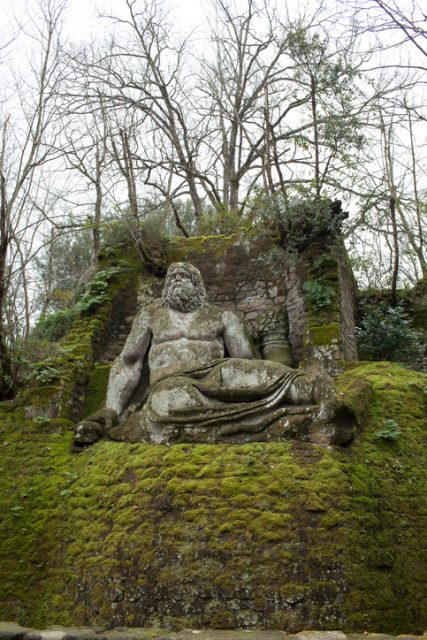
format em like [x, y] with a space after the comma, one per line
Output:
[13, 631]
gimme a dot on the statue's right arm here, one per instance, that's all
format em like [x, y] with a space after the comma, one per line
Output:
[126, 370]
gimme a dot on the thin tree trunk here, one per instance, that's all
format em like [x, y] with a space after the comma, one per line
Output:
[49, 276]
[234, 195]
[6, 379]
[392, 207]
[419, 250]
[25, 291]
[316, 137]
[130, 175]
[96, 233]
[268, 146]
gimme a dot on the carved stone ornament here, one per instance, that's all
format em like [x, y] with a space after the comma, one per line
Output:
[203, 383]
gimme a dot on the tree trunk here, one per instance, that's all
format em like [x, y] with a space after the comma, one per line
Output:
[6, 377]
[316, 137]
[419, 248]
[392, 207]
[98, 204]
[234, 195]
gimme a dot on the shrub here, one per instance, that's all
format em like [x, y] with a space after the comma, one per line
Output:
[222, 222]
[54, 326]
[301, 218]
[95, 291]
[385, 333]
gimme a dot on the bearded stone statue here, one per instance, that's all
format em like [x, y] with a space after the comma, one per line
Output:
[205, 384]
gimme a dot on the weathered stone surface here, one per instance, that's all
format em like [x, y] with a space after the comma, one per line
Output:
[320, 635]
[321, 331]
[12, 631]
[235, 268]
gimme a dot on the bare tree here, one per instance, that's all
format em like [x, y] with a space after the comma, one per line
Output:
[391, 220]
[27, 142]
[238, 85]
[85, 151]
[146, 74]
[410, 22]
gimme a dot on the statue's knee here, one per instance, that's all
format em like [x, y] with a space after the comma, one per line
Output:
[313, 388]
[170, 398]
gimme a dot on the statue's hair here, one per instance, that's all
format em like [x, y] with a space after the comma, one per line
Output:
[198, 295]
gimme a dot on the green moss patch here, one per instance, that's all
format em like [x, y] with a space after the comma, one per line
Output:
[96, 389]
[322, 335]
[184, 249]
[284, 535]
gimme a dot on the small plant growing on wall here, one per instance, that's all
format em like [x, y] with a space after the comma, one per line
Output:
[390, 430]
[319, 295]
[95, 293]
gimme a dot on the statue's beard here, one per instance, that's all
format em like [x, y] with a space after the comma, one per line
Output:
[184, 297]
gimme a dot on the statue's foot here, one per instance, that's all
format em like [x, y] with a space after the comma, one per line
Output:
[336, 422]
[87, 432]
[93, 428]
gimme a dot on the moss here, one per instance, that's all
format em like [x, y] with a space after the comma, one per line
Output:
[74, 364]
[325, 334]
[322, 302]
[186, 248]
[388, 497]
[262, 534]
[96, 389]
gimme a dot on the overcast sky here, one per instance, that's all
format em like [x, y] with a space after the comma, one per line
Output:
[81, 17]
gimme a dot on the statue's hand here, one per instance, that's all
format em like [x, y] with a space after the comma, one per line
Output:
[93, 428]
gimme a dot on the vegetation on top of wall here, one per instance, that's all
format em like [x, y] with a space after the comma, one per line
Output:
[224, 222]
[301, 218]
[180, 249]
[386, 333]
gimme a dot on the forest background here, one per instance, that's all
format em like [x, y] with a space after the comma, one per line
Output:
[146, 122]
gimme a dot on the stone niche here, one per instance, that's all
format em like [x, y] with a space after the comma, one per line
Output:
[300, 311]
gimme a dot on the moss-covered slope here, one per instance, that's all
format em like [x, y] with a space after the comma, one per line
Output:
[286, 535]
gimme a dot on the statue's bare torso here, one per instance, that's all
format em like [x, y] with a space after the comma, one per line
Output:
[175, 341]
[184, 340]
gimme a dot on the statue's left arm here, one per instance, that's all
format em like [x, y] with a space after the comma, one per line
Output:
[235, 337]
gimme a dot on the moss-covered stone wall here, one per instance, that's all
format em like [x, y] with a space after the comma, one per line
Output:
[320, 299]
[59, 389]
[285, 535]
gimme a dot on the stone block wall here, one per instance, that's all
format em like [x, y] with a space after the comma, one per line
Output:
[235, 271]
[253, 276]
